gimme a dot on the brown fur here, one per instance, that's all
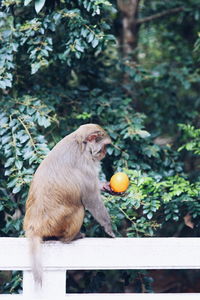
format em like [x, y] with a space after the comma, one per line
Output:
[65, 183]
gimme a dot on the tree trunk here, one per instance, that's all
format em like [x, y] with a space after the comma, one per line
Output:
[131, 23]
[129, 36]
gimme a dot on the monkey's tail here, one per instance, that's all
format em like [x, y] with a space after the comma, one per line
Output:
[36, 257]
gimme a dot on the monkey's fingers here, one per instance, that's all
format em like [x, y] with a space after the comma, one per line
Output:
[110, 191]
[109, 231]
[118, 194]
[105, 187]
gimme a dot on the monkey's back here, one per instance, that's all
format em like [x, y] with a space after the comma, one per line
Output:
[54, 206]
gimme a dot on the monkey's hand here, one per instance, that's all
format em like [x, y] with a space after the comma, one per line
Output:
[109, 231]
[108, 227]
[105, 187]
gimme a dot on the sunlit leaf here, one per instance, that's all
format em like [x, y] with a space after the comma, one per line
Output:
[39, 5]
[26, 2]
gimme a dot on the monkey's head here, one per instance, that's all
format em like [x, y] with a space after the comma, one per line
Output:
[93, 140]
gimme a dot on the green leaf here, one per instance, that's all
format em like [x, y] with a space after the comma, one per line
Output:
[28, 154]
[90, 37]
[5, 139]
[110, 150]
[175, 218]
[12, 183]
[168, 217]
[8, 172]
[43, 121]
[35, 67]
[95, 42]
[26, 2]
[39, 5]
[17, 189]
[2, 85]
[24, 138]
[143, 133]
[9, 162]
[1, 207]
[78, 55]
[84, 32]
[18, 164]
[3, 121]
[150, 215]
[79, 48]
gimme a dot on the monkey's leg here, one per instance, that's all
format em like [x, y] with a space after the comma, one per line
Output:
[73, 225]
[96, 207]
[67, 239]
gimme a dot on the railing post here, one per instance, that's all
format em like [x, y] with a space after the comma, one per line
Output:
[54, 284]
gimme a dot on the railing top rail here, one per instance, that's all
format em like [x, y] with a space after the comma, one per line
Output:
[105, 253]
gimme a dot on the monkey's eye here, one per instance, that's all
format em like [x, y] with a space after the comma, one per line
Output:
[98, 139]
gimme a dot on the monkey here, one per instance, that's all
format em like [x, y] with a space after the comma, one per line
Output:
[64, 185]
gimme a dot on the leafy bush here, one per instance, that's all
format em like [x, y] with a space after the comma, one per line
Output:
[22, 147]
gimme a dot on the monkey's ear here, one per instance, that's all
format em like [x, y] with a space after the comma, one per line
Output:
[91, 137]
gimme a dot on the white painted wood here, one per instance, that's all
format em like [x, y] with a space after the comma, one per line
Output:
[54, 284]
[109, 297]
[133, 296]
[98, 253]
[105, 253]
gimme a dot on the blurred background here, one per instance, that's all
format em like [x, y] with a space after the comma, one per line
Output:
[132, 66]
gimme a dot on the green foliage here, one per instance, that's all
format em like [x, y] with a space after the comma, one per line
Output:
[7, 51]
[197, 46]
[149, 197]
[168, 66]
[22, 147]
[98, 281]
[15, 283]
[169, 92]
[192, 135]
[36, 37]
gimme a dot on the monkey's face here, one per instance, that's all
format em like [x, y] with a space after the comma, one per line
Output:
[102, 153]
[93, 140]
[97, 148]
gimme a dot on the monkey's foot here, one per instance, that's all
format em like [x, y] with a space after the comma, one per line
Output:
[50, 238]
[79, 235]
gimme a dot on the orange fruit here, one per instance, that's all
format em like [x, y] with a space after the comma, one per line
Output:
[119, 182]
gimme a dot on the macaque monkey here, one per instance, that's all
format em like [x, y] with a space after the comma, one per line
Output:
[64, 185]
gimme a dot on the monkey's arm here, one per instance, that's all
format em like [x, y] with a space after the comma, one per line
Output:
[95, 205]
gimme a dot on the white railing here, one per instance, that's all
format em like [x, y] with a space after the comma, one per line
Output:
[96, 254]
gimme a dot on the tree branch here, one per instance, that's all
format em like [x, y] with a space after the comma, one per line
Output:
[159, 15]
